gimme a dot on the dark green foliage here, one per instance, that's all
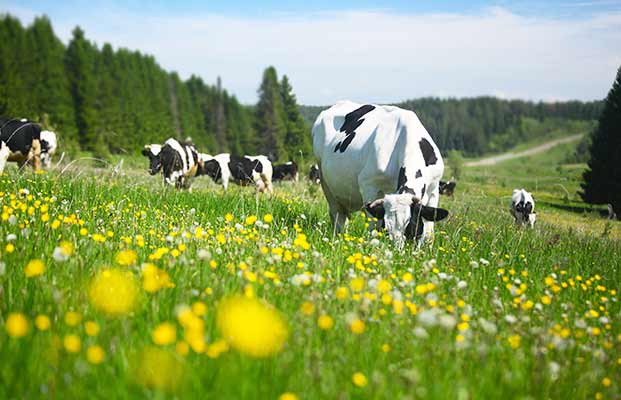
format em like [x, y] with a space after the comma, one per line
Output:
[104, 100]
[602, 179]
[486, 124]
[270, 117]
[297, 139]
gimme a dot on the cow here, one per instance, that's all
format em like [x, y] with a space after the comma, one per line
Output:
[522, 207]
[448, 188]
[178, 162]
[314, 174]
[21, 142]
[285, 172]
[244, 170]
[380, 159]
[49, 144]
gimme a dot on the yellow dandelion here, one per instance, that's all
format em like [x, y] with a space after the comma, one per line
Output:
[199, 308]
[182, 348]
[72, 343]
[606, 382]
[17, 325]
[91, 328]
[114, 292]
[359, 379]
[95, 354]
[164, 334]
[325, 322]
[155, 279]
[34, 268]
[126, 257]
[158, 369]
[268, 218]
[251, 326]
[386, 348]
[357, 326]
[288, 396]
[42, 322]
[514, 341]
[73, 318]
[9, 248]
[307, 308]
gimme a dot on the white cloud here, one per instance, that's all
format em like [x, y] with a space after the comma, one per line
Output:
[375, 56]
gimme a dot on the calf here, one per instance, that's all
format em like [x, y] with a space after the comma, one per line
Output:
[285, 172]
[21, 142]
[244, 170]
[522, 207]
[380, 158]
[314, 174]
[447, 188]
[178, 162]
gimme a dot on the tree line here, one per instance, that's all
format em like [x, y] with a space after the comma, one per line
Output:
[104, 101]
[486, 124]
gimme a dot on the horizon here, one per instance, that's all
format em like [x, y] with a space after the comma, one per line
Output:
[467, 50]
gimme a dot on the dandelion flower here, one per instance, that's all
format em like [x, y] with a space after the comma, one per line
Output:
[72, 343]
[359, 379]
[164, 334]
[42, 322]
[34, 268]
[251, 326]
[126, 257]
[357, 326]
[113, 292]
[325, 322]
[95, 354]
[17, 325]
[158, 369]
[288, 396]
[91, 328]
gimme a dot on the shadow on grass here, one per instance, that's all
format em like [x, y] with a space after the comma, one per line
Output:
[602, 211]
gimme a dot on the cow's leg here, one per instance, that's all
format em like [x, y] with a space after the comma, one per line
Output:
[268, 182]
[35, 154]
[338, 215]
[4, 155]
[428, 226]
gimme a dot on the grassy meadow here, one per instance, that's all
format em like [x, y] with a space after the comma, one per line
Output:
[113, 286]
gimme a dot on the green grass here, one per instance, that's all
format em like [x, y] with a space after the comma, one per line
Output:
[478, 245]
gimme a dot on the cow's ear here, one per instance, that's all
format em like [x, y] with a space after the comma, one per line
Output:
[433, 214]
[376, 209]
[146, 151]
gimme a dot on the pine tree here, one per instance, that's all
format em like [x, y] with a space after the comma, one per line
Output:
[270, 117]
[297, 138]
[80, 67]
[602, 179]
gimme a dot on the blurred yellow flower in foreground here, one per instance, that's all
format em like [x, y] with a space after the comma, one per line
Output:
[42, 322]
[251, 326]
[359, 379]
[95, 354]
[288, 396]
[154, 279]
[165, 333]
[158, 369]
[126, 257]
[17, 325]
[34, 268]
[114, 292]
[72, 343]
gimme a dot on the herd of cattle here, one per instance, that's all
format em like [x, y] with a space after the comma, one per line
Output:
[375, 158]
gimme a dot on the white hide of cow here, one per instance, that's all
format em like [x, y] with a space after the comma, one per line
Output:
[382, 158]
[522, 207]
[46, 154]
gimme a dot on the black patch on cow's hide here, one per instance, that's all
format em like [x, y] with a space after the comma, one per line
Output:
[171, 160]
[314, 174]
[423, 191]
[419, 174]
[428, 154]
[285, 171]
[241, 169]
[258, 166]
[212, 169]
[18, 135]
[352, 121]
[402, 180]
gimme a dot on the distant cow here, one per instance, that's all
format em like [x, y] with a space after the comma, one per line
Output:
[382, 158]
[179, 162]
[244, 170]
[49, 145]
[522, 207]
[447, 188]
[20, 142]
[314, 175]
[285, 172]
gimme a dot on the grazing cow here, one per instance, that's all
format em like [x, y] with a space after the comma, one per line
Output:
[382, 158]
[22, 139]
[522, 207]
[448, 188]
[285, 172]
[244, 170]
[179, 162]
[314, 175]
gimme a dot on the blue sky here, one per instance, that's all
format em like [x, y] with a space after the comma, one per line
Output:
[363, 50]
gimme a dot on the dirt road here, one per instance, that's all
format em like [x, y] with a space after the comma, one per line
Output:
[510, 155]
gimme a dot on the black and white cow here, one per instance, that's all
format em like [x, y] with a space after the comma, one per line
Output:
[20, 141]
[285, 172]
[244, 170]
[380, 158]
[49, 144]
[522, 207]
[178, 162]
[448, 188]
[314, 175]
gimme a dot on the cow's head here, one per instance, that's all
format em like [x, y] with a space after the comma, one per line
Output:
[152, 152]
[48, 147]
[211, 168]
[403, 215]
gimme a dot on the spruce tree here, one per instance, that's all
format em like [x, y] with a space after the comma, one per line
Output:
[602, 179]
[270, 119]
[297, 138]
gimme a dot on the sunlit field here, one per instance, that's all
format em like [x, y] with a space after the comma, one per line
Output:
[113, 286]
